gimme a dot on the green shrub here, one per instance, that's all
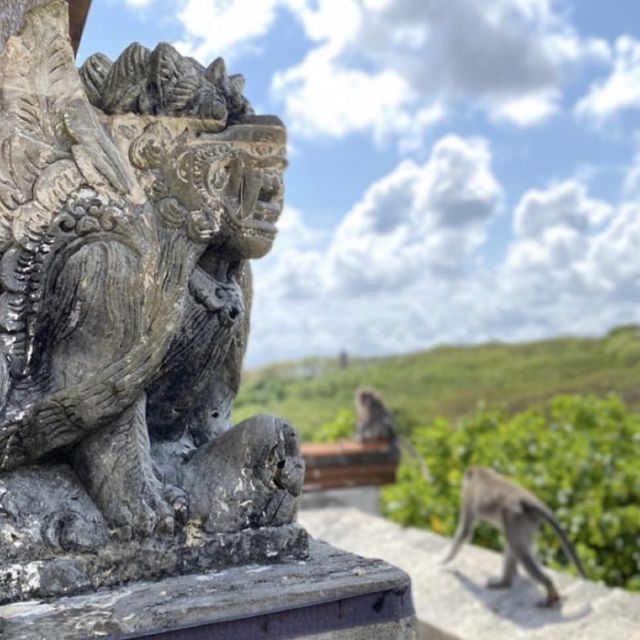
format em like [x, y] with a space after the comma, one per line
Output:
[342, 427]
[582, 458]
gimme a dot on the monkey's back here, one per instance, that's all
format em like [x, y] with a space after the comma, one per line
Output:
[493, 495]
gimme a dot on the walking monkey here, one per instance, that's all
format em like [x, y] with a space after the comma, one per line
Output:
[489, 496]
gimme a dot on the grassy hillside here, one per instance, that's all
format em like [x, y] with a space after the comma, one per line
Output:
[449, 381]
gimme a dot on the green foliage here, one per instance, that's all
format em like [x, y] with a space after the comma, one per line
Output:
[341, 428]
[581, 457]
[447, 381]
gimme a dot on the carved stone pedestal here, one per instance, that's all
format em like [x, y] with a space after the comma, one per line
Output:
[332, 594]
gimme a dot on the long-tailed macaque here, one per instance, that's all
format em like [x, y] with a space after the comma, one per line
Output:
[376, 422]
[489, 496]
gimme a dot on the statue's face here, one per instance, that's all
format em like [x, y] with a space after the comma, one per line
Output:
[225, 186]
[244, 188]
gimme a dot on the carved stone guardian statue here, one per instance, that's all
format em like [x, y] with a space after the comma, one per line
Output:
[132, 195]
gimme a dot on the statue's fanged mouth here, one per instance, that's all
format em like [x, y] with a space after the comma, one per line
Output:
[261, 197]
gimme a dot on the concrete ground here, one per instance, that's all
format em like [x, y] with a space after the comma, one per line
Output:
[452, 602]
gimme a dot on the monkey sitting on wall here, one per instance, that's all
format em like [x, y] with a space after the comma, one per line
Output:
[489, 496]
[375, 421]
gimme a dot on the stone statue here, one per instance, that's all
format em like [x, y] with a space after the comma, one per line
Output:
[132, 195]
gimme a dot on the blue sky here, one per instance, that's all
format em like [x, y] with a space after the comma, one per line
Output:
[460, 171]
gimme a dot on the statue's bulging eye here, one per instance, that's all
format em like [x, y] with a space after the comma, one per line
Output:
[184, 167]
[218, 176]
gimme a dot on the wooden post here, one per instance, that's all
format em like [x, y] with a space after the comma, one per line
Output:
[78, 11]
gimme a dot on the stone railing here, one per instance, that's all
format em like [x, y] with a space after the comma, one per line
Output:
[452, 603]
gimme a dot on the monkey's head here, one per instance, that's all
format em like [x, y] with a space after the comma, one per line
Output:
[365, 401]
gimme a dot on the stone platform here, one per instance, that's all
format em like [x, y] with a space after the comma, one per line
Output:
[332, 594]
[452, 602]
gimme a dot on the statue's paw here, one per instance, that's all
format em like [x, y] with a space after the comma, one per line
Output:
[142, 514]
[162, 519]
[289, 465]
[178, 501]
[250, 476]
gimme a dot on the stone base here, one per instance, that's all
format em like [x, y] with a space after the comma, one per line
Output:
[332, 594]
[119, 563]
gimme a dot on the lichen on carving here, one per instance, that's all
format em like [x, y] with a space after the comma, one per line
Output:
[132, 196]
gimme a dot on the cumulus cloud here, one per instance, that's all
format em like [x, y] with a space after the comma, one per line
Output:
[403, 270]
[547, 263]
[631, 186]
[223, 27]
[418, 226]
[397, 67]
[394, 58]
[419, 218]
[562, 205]
[621, 89]
[139, 3]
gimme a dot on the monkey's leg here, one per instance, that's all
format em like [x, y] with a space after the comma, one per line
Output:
[509, 570]
[520, 532]
[115, 466]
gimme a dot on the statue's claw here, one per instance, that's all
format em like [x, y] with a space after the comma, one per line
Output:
[12, 453]
[289, 468]
[178, 501]
[141, 515]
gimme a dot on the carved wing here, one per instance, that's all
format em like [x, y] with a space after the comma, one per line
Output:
[50, 137]
[51, 143]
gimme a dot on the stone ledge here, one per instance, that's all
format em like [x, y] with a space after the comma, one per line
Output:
[333, 594]
[453, 604]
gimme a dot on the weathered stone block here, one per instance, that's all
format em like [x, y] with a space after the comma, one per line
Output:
[332, 595]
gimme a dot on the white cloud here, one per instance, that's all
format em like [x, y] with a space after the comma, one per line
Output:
[528, 110]
[139, 3]
[397, 67]
[613, 256]
[564, 204]
[394, 58]
[322, 96]
[631, 185]
[225, 28]
[403, 269]
[417, 226]
[621, 90]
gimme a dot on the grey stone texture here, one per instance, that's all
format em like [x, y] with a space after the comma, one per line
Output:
[236, 594]
[132, 196]
[453, 603]
[12, 14]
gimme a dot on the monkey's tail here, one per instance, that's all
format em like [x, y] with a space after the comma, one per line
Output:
[405, 445]
[569, 549]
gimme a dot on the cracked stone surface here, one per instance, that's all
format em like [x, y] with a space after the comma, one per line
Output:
[327, 575]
